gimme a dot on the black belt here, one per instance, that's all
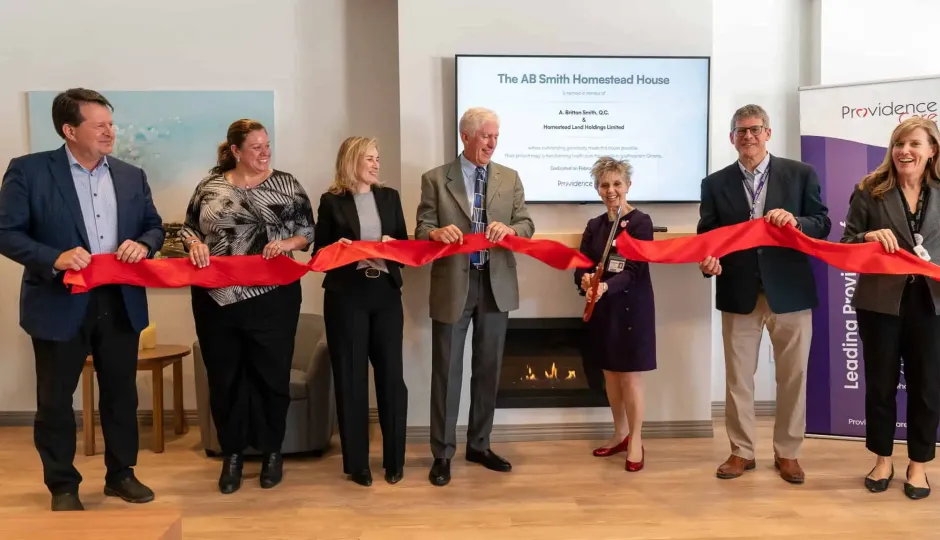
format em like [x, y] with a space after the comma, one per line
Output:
[372, 273]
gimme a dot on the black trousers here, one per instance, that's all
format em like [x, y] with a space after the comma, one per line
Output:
[914, 336]
[362, 325]
[106, 333]
[247, 348]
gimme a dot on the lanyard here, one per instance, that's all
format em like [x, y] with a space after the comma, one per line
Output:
[755, 193]
[915, 220]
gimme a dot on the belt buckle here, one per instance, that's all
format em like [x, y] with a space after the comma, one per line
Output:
[373, 273]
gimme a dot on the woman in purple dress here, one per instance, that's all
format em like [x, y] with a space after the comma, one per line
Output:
[622, 331]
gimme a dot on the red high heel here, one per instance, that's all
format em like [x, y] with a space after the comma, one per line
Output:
[604, 452]
[633, 466]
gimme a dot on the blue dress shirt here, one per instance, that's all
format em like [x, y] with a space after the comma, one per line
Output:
[95, 189]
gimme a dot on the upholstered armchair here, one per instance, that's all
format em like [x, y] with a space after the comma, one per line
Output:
[311, 417]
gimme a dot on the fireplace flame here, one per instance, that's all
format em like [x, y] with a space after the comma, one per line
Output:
[549, 375]
[553, 374]
[530, 376]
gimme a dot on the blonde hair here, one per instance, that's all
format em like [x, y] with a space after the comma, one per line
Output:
[474, 118]
[606, 165]
[347, 161]
[885, 177]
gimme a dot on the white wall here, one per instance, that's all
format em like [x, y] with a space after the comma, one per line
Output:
[865, 40]
[760, 55]
[333, 65]
[430, 33]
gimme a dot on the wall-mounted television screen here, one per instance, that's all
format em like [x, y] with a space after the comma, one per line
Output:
[558, 114]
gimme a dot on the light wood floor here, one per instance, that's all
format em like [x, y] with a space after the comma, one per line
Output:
[556, 491]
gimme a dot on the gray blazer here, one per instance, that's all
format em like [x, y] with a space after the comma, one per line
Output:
[444, 202]
[880, 292]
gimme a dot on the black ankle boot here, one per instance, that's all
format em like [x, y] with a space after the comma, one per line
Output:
[231, 478]
[272, 470]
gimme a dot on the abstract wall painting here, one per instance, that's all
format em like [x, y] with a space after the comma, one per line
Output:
[172, 135]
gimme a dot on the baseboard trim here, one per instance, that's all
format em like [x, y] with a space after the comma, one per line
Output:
[555, 432]
[145, 418]
[568, 431]
[421, 434]
[578, 432]
[761, 408]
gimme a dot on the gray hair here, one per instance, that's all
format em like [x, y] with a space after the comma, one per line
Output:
[606, 165]
[474, 118]
[750, 111]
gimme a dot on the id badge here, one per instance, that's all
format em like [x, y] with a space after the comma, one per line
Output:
[616, 264]
[922, 253]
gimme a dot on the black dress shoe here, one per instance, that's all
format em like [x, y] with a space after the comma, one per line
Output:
[65, 502]
[394, 477]
[880, 485]
[489, 459]
[130, 490]
[272, 470]
[916, 493]
[231, 477]
[363, 477]
[440, 472]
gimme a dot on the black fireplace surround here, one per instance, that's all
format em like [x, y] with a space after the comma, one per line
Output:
[543, 366]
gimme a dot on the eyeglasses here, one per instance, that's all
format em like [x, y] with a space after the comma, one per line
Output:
[755, 130]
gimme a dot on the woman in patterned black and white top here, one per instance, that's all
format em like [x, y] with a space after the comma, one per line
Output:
[246, 334]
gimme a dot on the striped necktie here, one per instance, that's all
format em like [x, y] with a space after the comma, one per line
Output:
[478, 215]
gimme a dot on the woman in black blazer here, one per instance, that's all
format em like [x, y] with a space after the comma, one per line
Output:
[362, 310]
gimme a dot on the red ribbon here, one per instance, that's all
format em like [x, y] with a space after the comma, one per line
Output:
[247, 270]
[106, 269]
[421, 252]
[865, 258]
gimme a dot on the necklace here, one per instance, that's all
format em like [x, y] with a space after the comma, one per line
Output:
[245, 184]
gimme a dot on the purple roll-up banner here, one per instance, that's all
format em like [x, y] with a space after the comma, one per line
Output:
[845, 131]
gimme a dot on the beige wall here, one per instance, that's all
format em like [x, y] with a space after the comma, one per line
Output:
[333, 65]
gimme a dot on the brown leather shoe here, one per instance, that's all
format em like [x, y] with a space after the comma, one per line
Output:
[734, 467]
[790, 470]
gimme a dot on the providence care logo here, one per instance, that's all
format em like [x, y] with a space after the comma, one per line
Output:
[903, 111]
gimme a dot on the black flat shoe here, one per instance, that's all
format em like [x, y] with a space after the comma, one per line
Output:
[231, 477]
[489, 459]
[129, 489]
[272, 470]
[394, 477]
[363, 477]
[915, 493]
[440, 472]
[65, 502]
[880, 485]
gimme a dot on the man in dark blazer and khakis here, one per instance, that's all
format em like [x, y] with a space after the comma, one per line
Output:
[470, 195]
[763, 287]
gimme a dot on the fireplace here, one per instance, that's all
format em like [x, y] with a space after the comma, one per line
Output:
[543, 366]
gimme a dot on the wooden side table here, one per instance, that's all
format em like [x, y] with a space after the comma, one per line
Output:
[153, 360]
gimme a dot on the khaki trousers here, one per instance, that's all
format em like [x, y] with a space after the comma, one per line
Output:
[790, 335]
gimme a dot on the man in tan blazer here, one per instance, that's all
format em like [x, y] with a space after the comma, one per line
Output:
[470, 195]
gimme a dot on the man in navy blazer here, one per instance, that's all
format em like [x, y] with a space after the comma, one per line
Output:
[57, 209]
[770, 288]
